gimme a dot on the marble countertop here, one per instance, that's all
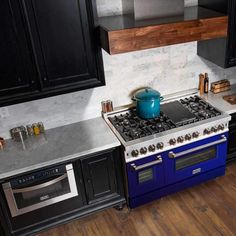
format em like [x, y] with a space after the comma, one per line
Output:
[217, 100]
[57, 145]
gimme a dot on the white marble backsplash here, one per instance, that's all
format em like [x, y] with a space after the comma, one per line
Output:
[167, 69]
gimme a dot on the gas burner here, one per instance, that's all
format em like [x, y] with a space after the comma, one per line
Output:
[201, 109]
[131, 127]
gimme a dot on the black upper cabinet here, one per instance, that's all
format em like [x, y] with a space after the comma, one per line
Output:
[16, 69]
[231, 53]
[221, 51]
[47, 47]
[61, 36]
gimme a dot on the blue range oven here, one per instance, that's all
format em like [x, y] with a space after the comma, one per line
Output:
[173, 170]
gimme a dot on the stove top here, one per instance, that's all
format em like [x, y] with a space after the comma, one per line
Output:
[131, 127]
[173, 114]
[181, 122]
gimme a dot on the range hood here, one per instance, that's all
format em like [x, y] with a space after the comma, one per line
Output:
[149, 9]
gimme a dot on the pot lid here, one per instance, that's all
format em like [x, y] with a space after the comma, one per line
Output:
[147, 94]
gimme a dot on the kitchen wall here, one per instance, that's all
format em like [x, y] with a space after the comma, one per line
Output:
[167, 69]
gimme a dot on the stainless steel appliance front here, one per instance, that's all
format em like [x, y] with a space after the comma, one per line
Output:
[40, 189]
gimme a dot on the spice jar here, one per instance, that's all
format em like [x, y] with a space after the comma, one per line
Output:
[36, 129]
[41, 127]
[30, 130]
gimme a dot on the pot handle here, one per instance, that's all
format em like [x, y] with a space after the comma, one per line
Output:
[161, 98]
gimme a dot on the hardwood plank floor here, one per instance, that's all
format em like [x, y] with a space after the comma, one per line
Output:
[206, 209]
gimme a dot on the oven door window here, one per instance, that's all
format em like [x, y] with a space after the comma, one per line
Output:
[145, 176]
[42, 192]
[194, 159]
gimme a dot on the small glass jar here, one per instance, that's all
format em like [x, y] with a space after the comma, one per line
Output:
[36, 129]
[30, 130]
[41, 127]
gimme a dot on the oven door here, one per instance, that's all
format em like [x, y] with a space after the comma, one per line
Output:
[40, 189]
[145, 175]
[196, 158]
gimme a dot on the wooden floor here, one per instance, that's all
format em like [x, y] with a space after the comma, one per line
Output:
[207, 209]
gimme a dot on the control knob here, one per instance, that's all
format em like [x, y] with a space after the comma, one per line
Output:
[134, 153]
[214, 129]
[207, 131]
[221, 127]
[188, 137]
[143, 150]
[196, 134]
[172, 141]
[180, 139]
[160, 145]
[151, 148]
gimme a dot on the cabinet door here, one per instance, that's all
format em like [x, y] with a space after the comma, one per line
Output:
[231, 52]
[62, 33]
[99, 177]
[16, 69]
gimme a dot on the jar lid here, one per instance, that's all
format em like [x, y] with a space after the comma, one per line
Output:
[147, 94]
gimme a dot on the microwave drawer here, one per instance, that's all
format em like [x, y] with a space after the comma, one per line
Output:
[40, 189]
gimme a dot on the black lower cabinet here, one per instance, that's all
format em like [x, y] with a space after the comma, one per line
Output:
[232, 139]
[97, 178]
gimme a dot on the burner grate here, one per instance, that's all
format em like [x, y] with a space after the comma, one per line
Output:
[173, 114]
[131, 127]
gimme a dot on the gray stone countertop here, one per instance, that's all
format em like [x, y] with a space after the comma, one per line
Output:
[57, 145]
[217, 100]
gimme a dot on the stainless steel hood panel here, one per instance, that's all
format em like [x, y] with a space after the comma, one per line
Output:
[150, 9]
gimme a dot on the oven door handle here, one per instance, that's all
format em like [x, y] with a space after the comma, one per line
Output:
[39, 186]
[176, 155]
[156, 162]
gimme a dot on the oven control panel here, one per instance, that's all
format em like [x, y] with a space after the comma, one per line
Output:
[158, 145]
[37, 176]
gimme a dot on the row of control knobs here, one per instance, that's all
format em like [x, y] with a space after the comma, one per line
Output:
[196, 134]
[173, 141]
[181, 139]
[214, 129]
[144, 150]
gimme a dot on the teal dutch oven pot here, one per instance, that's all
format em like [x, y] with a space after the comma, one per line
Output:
[148, 103]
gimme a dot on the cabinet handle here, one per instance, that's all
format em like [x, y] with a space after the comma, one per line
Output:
[40, 186]
[156, 162]
[189, 151]
[89, 181]
[45, 78]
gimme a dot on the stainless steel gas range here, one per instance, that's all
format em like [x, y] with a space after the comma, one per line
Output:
[185, 145]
